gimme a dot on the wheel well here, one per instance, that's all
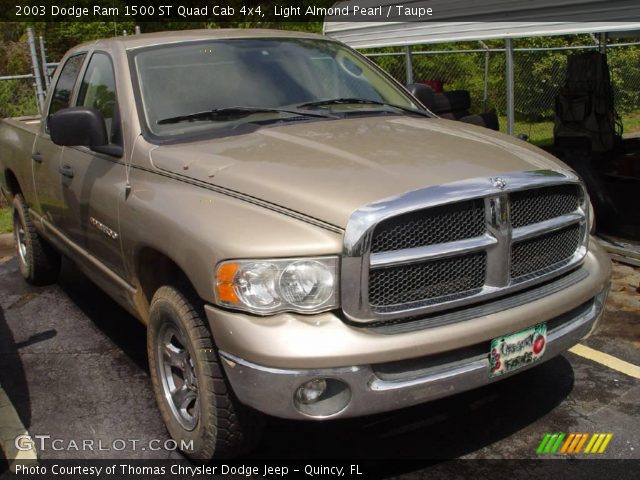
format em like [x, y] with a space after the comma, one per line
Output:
[12, 182]
[155, 269]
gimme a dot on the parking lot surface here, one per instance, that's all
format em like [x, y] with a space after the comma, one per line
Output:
[73, 366]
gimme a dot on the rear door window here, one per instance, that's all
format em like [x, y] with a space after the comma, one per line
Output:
[64, 88]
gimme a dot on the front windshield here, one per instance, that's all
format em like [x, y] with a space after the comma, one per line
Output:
[272, 73]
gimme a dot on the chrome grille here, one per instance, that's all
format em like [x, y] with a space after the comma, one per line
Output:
[429, 280]
[453, 245]
[447, 223]
[544, 252]
[538, 205]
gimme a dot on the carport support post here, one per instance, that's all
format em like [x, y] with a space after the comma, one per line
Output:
[509, 84]
[602, 42]
[408, 63]
[36, 69]
[485, 92]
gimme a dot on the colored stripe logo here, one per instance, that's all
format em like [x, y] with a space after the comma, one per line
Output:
[573, 443]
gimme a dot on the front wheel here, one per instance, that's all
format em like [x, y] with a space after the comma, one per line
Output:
[195, 400]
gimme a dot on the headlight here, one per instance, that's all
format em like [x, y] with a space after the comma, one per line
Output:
[307, 285]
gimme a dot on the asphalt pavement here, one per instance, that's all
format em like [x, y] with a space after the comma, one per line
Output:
[73, 367]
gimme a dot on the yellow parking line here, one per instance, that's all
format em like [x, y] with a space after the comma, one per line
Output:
[11, 427]
[607, 360]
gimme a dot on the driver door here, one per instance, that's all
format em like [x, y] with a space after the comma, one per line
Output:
[98, 180]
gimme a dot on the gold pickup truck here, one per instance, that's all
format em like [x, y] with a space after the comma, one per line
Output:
[300, 235]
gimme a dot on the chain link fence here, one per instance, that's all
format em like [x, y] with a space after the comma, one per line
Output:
[539, 73]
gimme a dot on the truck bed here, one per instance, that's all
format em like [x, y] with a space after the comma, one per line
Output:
[17, 136]
[30, 123]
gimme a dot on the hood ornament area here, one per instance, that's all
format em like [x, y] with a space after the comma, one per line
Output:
[499, 183]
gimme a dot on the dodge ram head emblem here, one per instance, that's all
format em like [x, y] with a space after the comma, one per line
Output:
[499, 183]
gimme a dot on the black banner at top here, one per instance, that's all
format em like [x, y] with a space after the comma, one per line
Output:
[254, 11]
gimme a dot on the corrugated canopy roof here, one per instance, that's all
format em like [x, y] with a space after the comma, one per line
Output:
[467, 20]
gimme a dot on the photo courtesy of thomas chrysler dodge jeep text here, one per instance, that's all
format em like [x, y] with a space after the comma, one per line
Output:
[301, 237]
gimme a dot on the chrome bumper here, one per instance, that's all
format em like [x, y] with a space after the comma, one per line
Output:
[272, 390]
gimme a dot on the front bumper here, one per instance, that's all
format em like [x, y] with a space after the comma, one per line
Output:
[292, 341]
[385, 387]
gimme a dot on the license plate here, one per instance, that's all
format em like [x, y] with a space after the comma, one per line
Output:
[517, 350]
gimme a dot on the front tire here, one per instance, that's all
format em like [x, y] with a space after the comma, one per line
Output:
[195, 400]
[39, 262]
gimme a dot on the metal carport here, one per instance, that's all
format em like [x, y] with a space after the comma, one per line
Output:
[474, 20]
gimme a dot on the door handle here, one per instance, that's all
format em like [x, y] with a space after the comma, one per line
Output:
[37, 157]
[66, 171]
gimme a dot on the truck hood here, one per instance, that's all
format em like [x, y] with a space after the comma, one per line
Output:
[328, 169]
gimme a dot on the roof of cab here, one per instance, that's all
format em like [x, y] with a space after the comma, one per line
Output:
[160, 38]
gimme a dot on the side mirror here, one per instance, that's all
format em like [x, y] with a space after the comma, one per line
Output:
[78, 126]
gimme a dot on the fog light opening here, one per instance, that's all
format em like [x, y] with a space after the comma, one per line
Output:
[322, 397]
[311, 391]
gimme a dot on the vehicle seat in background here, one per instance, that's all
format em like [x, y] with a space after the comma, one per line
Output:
[424, 93]
[453, 105]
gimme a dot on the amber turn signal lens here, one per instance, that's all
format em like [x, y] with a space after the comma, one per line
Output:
[224, 284]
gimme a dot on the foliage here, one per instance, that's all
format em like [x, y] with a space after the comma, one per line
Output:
[17, 97]
[61, 36]
[5, 220]
[624, 65]
[539, 73]
[14, 57]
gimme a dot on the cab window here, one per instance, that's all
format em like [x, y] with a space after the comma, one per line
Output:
[98, 90]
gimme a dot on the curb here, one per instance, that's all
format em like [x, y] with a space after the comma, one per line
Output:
[6, 240]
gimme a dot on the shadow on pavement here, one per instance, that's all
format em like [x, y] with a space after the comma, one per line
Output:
[12, 380]
[4, 464]
[125, 331]
[12, 374]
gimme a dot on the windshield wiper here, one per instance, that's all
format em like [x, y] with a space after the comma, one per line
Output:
[223, 114]
[340, 101]
[361, 101]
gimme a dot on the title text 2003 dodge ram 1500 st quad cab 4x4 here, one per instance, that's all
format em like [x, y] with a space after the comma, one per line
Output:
[300, 235]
